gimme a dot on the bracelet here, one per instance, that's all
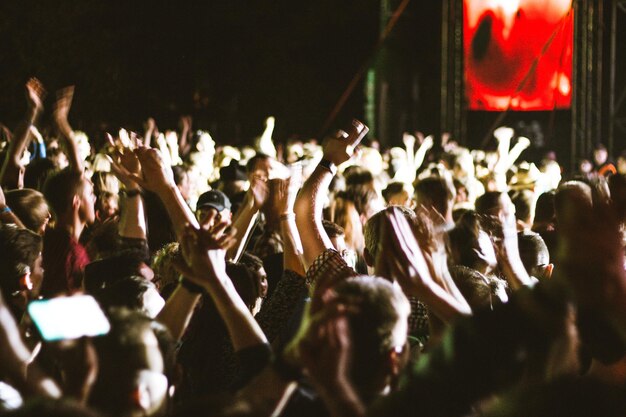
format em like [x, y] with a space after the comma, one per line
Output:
[190, 286]
[287, 216]
[130, 193]
[5, 210]
[328, 165]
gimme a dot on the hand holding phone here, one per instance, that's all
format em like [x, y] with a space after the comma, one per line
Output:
[342, 146]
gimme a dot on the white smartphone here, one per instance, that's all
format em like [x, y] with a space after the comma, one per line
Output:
[66, 318]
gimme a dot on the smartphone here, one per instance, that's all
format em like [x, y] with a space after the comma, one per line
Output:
[66, 318]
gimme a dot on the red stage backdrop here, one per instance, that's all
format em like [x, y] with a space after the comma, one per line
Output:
[518, 54]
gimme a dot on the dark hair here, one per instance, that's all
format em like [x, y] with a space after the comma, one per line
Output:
[463, 238]
[479, 290]
[37, 173]
[532, 250]
[544, 209]
[486, 203]
[392, 189]
[256, 158]
[332, 229]
[436, 192]
[61, 188]
[179, 174]
[125, 292]
[523, 202]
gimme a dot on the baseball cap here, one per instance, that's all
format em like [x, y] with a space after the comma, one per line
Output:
[215, 199]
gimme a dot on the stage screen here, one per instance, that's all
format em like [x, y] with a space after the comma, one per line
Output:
[518, 54]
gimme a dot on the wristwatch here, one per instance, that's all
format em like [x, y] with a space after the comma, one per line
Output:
[325, 163]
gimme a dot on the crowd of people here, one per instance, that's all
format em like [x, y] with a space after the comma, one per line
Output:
[308, 278]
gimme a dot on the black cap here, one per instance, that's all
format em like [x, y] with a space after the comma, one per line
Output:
[233, 172]
[215, 199]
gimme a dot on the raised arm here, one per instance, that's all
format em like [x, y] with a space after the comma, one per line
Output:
[132, 219]
[157, 176]
[310, 201]
[204, 252]
[404, 260]
[246, 216]
[12, 170]
[287, 191]
[61, 111]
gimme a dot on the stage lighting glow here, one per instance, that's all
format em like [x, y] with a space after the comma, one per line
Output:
[518, 54]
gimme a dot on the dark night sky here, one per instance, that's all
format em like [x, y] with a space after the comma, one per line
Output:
[131, 59]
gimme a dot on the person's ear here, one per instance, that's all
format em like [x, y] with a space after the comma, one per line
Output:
[398, 359]
[75, 202]
[26, 284]
[369, 259]
[140, 397]
[547, 271]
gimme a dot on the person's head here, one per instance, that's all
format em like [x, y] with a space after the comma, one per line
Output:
[107, 205]
[600, 154]
[398, 194]
[344, 213]
[378, 331]
[337, 237]
[535, 255]
[470, 245]
[134, 364]
[259, 165]
[567, 191]
[30, 207]
[215, 202]
[361, 190]
[480, 291]
[524, 202]
[373, 229]
[493, 203]
[166, 276]
[20, 266]
[71, 196]
[132, 292]
[436, 193]
[544, 209]
[103, 273]
[259, 282]
[181, 179]
[37, 172]
[105, 182]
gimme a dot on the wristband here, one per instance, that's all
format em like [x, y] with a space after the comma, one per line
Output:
[130, 193]
[5, 210]
[328, 165]
[190, 286]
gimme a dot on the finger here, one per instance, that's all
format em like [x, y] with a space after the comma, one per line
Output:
[361, 131]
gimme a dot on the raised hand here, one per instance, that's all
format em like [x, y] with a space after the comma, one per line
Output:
[418, 272]
[503, 133]
[156, 175]
[204, 249]
[258, 192]
[342, 146]
[124, 163]
[62, 109]
[34, 95]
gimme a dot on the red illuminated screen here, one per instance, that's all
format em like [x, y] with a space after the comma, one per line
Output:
[518, 54]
